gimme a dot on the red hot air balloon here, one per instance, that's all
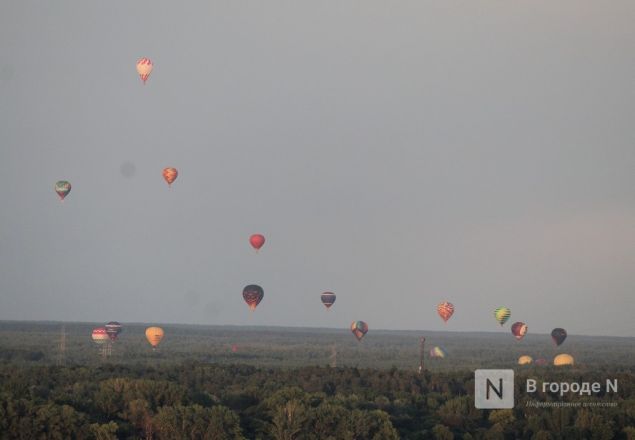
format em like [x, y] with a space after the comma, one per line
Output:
[256, 241]
[170, 175]
[359, 329]
[445, 310]
[328, 299]
[519, 329]
[253, 294]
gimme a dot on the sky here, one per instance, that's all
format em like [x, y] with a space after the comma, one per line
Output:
[399, 154]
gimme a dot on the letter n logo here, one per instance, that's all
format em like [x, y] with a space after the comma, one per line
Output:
[494, 389]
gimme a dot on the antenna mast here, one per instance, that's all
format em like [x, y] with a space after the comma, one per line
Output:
[422, 342]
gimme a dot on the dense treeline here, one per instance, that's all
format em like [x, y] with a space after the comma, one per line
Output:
[196, 400]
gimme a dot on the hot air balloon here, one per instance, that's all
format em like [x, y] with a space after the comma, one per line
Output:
[252, 295]
[563, 359]
[541, 362]
[525, 360]
[62, 188]
[519, 329]
[328, 299]
[170, 175]
[502, 314]
[99, 335]
[113, 328]
[437, 352]
[234, 348]
[144, 68]
[359, 329]
[256, 241]
[558, 335]
[154, 336]
[445, 310]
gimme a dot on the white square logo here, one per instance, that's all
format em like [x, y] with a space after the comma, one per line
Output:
[494, 389]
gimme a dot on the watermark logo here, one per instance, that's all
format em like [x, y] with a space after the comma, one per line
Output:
[494, 389]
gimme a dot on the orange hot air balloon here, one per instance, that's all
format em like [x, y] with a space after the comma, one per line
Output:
[170, 175]
[154, 336]
[256, 241]
[445, 310]
[144, 68]
[563, 359]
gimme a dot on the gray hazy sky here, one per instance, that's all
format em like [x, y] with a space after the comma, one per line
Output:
[397, 153]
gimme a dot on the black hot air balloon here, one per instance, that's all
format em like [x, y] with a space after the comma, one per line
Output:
[328, 299]
[558, 335]
[252, 295]
[113, 328]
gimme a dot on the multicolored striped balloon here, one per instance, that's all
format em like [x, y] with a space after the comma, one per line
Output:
[328, 299]
[253, 294]
[170, 175]
[99, 335]
[502, 314]
[62, 188]
[359, 329]
[445, 310]
[144, 68]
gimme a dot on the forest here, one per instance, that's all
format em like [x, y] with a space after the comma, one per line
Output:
[288, 384]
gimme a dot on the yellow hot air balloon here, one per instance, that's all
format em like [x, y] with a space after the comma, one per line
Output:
[563, 359]
[525, 360]
[154, 336]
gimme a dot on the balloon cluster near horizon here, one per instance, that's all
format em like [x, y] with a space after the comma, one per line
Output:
[253, 294]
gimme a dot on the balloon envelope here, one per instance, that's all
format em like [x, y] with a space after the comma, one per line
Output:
[113, 328]
[99, 335]
[170, 175]
[445, 310]
[144, 68]
[502, 314]
[525, 360]
[257, 240]
[328, 299]
[519, 330]
[359, 329]
[563, 359]
[558, 335]
[437, 352]
[62, 188]
[154, 335]
[253, 294]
